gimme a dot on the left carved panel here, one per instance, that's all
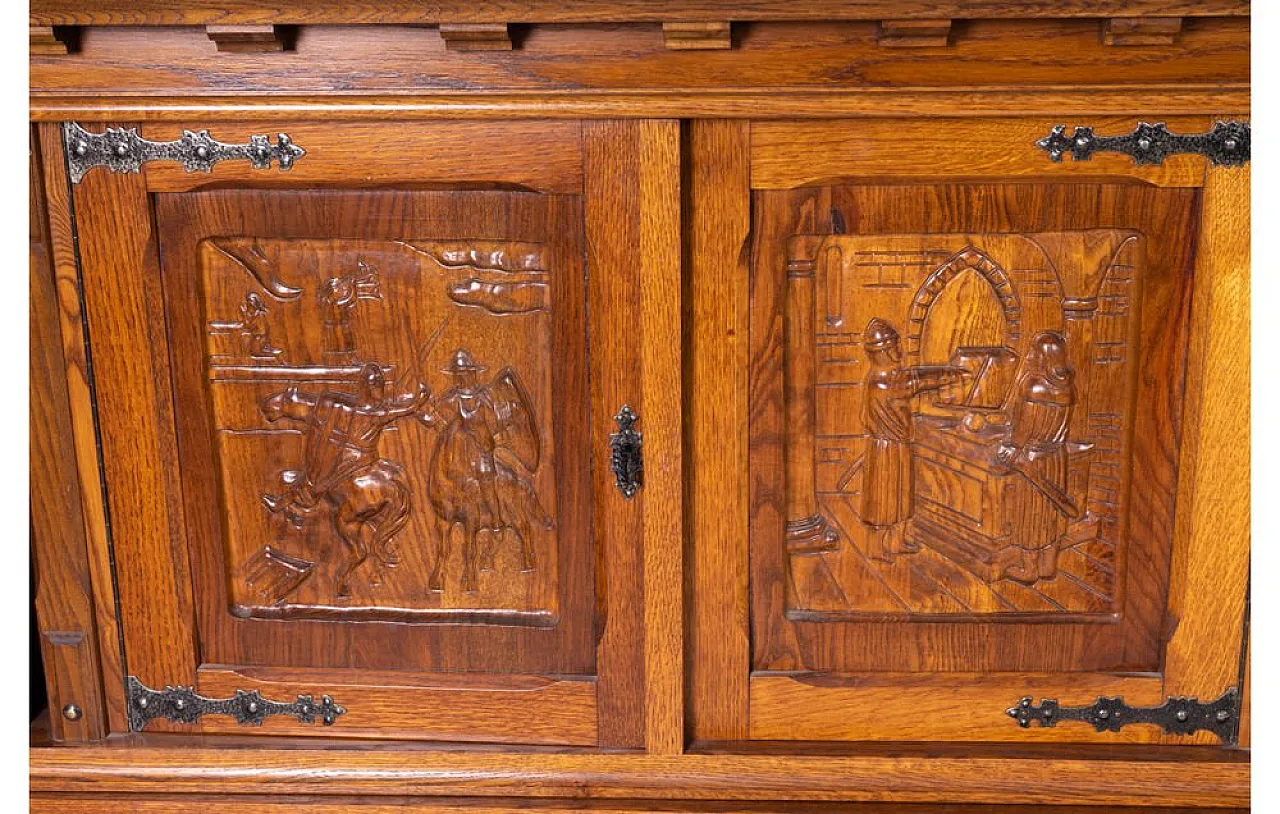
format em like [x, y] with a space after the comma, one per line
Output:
[382, 419]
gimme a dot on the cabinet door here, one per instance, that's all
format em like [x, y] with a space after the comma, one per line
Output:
[981, 388]
[356, 425]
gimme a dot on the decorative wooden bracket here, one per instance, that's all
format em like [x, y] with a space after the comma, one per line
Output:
[697, 36]
[1177, 716]
[914, 34]
[246, 39]
[1141, 30]
[476, 36]
[50, 40]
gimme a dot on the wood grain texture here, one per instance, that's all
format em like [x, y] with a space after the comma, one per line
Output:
[246, 39]
[660, 278]
[1212, 536]
[942, 707]
[200, 12]
[60, 560]
[787, 154]
[125, 314]
[78, 374]
[914, 33]
[611, 71]
[895, 778]
[613, 200]
[697, 36]
[1141, 30]
[471, 707]
[255, 804]
[476, 36]
[540, 156]
[717, 227]
[1131, 643]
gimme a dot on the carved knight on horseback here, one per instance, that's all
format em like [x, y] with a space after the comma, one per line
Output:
[368, 496]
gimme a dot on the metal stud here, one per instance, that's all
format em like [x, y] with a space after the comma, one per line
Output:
[1104, 714]
[180, 703]
[253, 706]
[1144, 143]
[143, 702]
[1223, 716]
[71, 712]
[1181, 715]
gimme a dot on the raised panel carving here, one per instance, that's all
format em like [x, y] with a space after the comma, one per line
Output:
[958, 410]
[383, 432]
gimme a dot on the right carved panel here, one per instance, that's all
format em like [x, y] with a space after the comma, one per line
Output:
[962, 405]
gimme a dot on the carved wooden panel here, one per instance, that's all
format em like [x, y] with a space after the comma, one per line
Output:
[960, 406]
[954, 390]
[382, 411]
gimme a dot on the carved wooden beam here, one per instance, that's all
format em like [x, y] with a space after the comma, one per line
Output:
[246, 39]
[696, 36]
[46, 39]
[476, 36]
[914, 34]
[1141, 30]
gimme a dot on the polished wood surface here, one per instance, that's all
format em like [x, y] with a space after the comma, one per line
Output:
[346, 429]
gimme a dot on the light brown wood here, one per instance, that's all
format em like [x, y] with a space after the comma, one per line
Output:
[613, 71]
[660, 273]
[790, 154]
[718, 224]
[471, 707]
[907, 778]
[60, 560]
[697, 36]
[246, 39]
[1211, 540]
[914, 33]
[119, 266]
[199, 12]
[543, 156]
[47, 40]
[476, 36]
[1142, 30]
[78, 375]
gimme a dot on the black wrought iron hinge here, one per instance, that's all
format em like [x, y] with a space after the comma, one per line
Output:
[183, 705]
[121, 149]
[1227, 144]
[1177, 716]
[626, 454]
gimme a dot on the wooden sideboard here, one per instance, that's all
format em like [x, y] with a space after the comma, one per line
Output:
[605, 405]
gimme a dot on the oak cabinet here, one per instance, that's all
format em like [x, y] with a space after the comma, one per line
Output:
[548, 427]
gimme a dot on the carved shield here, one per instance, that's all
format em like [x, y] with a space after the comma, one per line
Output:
[515, 412]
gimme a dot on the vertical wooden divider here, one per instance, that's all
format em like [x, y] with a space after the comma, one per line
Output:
[60, 559]
[75, 358]
[121, 276]
[1211, 537]
[633, 270]
[717, 197]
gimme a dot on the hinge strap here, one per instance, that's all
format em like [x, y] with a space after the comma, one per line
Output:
[1178, 716]
[1227, 144]
[183, 705]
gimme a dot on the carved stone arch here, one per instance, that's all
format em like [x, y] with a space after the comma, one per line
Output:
[967, 258]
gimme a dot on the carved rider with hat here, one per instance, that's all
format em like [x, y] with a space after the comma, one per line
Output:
[887, 479]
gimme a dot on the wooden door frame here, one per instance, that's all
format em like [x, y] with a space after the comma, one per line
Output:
[1202, 656]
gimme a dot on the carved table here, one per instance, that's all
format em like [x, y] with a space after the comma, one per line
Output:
[498, 406]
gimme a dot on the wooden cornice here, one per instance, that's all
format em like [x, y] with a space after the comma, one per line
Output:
[412, 12]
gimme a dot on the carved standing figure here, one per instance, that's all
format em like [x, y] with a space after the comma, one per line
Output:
[486, 432]
[368, 496]
[339, 296]
[887, 479]
[1036, 448]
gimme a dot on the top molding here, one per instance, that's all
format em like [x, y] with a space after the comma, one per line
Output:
[415, 12]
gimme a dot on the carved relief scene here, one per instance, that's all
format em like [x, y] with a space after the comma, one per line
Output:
[383, 431]
[957, 410]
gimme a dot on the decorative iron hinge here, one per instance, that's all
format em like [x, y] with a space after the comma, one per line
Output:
[626, 454]
[123, 150]
[1227, 144]
[184, 706]
[1178, 716]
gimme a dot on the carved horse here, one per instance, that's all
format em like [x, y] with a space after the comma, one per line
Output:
[456, 496]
